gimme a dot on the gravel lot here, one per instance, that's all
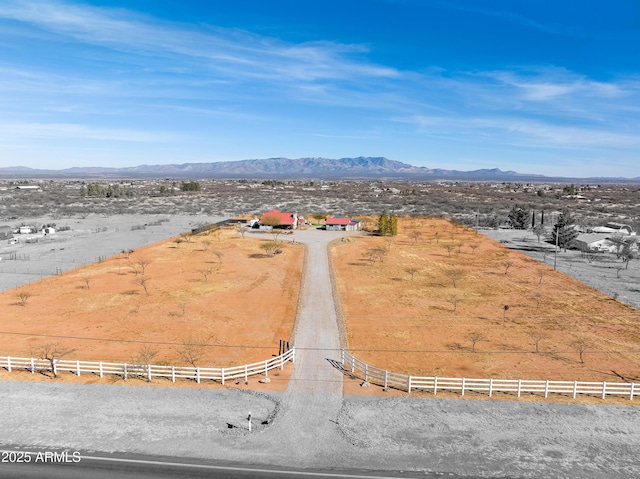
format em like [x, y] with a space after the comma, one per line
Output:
[88, 239]
[606, 274]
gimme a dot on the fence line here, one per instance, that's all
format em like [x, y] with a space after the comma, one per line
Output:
[389, 379]
[147, 371]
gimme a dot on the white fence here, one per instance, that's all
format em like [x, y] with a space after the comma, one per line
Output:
[515, 387]
[147, 371]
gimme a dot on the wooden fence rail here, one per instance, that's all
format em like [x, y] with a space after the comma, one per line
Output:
[516, 387]
[148, 371]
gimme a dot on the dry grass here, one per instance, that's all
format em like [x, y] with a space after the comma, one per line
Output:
[462, 284]
[241, 307]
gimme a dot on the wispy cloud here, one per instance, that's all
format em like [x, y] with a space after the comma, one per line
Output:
[83, 132]
[235, 53]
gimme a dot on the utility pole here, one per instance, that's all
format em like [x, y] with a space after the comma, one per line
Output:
[555, 258]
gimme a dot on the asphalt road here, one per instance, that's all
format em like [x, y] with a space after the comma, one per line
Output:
[29, 464]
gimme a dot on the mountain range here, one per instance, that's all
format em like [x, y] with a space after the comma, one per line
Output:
[286, 168]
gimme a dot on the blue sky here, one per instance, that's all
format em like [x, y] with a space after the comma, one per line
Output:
[533, 86]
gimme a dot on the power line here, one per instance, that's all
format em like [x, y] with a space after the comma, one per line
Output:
[167, 343]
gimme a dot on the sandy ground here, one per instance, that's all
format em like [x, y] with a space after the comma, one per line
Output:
[235, 314]
[465, 437]
[410, 325]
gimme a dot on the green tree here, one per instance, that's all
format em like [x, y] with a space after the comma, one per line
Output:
[519, 216]
[388, 225]
[190, 186]
[564, 231]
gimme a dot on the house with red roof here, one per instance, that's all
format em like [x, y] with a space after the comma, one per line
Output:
[279, 219]
[342, 223]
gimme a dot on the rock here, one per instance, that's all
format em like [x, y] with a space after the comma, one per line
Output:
[264, 380]
[365, 384]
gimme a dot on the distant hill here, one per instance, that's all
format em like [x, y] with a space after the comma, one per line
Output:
[286, 168]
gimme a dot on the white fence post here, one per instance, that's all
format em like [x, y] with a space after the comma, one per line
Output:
[490, 387]
[55, 367]
[266, 369]
[100, 366]
[366, 372]
[409, 385]
[631, 392]
[604, 389]
[124, 367]
[8, 364]
[435, 385]
[281, 362]
[546, 388]
[173, 374]
[198, 375]
[386, 374]
[33, 366]
[575, 389]
[246, 374]
[78, 367]
[293, 354]
[463, 386]
[342, 356]
[223, 376]
[149, 372]
[519, 386]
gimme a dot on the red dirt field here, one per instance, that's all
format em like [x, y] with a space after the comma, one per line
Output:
[240, 310]
[410, 326]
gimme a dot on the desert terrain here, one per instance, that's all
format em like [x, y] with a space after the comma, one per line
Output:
[487, 438]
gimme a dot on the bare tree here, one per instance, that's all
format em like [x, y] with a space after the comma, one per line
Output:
[507, 264]
[380, 252]
[205, 245]
[539, 230]
[449, 248]
[219, 255]
[541, 273]
[144, 282]
[455, 275]
[86, 282]
[412, 270]
[415, 236]
[52, 352]
[536, 337]
[141, 363]
[241, 229]
[581, 344]
[192, 350]
[454, 300]
[475, 337]
[23, 297]
[186, 237]
[474, 246]
[143, 263]
[217, 233]
[205, 273]
[371, 255]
